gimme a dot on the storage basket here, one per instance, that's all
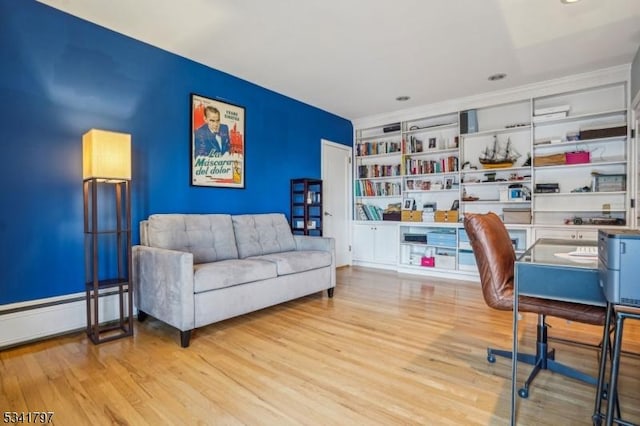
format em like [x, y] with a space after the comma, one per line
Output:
[412, 215]
[446, 215]
[549, 160]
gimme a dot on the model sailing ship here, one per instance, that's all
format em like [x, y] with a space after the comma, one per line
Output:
[498, 157]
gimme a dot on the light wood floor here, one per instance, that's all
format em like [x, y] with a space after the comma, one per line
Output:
[387, 349]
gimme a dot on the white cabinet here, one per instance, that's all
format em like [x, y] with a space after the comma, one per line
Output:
[375, 243]
[567, 233]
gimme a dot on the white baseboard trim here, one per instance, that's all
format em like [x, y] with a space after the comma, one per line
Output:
[24, 325]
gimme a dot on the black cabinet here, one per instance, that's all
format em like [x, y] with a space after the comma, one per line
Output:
[306, 206]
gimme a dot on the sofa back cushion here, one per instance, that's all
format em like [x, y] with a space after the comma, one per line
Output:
[209, 237]
[258, 234]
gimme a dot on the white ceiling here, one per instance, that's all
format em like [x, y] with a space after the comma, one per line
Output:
[354, 57]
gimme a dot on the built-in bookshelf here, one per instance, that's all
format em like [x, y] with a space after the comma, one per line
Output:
[567, 168]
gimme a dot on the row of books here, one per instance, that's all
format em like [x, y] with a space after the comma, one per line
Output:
[375, 148]
[368, 212]
[367, 188]
[378, 170]
[422, 167]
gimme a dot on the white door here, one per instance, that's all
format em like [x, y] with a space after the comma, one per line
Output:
[336, 188]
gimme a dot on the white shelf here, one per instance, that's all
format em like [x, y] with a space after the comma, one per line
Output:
[430, 175]
[501, 182]
[396, 177]
[578, 194]
[433, 152]
[608, 162]
[542, 147]
[379, 196]
[497, 131]
[385, 155]
[431, 128]
[580, 117]
[506, 169]
[578, 210]
[494, 202]
[378, 136]
[422, 191]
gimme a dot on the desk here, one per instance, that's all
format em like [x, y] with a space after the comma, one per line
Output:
[540, 272]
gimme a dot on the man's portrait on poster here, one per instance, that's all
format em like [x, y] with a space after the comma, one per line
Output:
[217, 143]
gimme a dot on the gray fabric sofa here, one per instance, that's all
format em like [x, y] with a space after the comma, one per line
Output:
[191, 270]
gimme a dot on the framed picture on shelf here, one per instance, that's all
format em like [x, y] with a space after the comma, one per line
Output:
[409, 204]
[217, 143]
[448, 183]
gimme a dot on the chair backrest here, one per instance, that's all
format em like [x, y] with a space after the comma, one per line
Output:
[495, 257]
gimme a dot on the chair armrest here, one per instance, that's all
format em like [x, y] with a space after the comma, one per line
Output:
[163, 284]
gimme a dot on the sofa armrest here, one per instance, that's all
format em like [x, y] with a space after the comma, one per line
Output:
[163, 284]
[307, 242]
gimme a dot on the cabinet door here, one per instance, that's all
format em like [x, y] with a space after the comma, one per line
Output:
[363, 243]
[567, 234]
[386, 244]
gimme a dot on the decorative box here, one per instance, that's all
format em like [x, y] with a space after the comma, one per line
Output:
[607, 132]
[445, 262]
[446, 215]
[578, 157]
[391, 216]
[517, 215]
[549, 160]
[609, 183]
[412, 215]
[428, 261]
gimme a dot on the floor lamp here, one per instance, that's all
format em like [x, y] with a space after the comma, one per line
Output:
[106, 172]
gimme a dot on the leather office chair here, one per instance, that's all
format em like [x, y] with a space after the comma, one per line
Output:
[495, 256]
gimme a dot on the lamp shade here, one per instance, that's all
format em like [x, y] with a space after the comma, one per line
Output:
[106, 155]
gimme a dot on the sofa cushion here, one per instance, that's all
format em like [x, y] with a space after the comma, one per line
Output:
[226, 273]
[291, 262]
[258, 234]
[208, 236]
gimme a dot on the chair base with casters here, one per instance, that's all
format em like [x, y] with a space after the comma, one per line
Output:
[544, 359]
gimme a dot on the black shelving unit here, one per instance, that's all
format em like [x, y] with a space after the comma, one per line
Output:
[108, 256]
[306, 206]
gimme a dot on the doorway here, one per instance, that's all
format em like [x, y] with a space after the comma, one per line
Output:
[336, 188]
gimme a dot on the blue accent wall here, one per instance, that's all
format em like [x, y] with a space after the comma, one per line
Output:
[61, 76]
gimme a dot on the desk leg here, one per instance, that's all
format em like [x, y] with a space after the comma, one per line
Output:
[615, 366]
[603, 366]
[514, 357]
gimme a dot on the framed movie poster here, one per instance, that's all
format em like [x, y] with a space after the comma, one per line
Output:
[217, 143]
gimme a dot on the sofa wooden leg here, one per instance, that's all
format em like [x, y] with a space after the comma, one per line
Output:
[185, 337]
[330, 291]
[142, 315]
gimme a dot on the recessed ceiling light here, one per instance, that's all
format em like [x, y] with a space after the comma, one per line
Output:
[569, 1]
[403, 98]
[496, 77]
